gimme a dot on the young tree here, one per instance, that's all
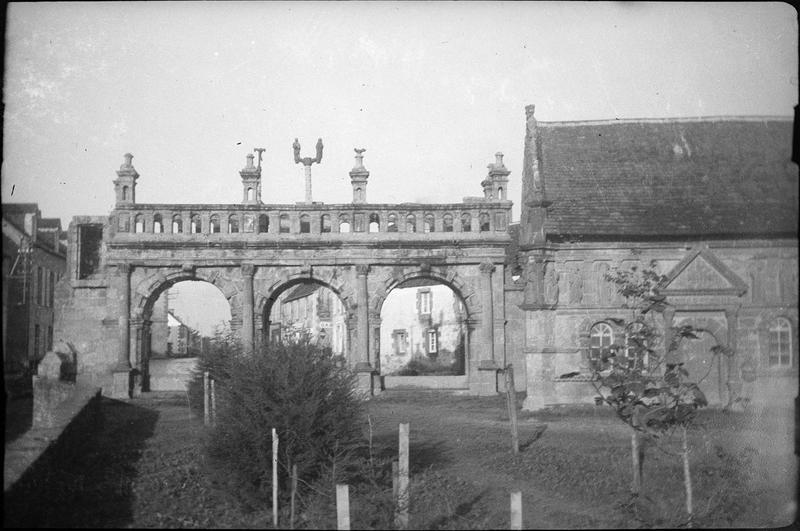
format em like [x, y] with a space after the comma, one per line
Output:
[641, 378]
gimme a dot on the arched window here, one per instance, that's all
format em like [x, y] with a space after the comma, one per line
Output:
[233, 224]
[214, 224]
[501, 194]
[250, 194]
[447, 223]
[780, 343]
[391, 223]
[249, 223]
[344, 223]
[195, 227]
[158, 226]
[177, 224]
[138, 223]
[305, 224]
[374, 223]
[429, 223]
[411, 223]
[325, 223]
[466, 222]
[285, 224]
[125, 192]
[601, 338]
[263, 223]
[359, 194]
[484, 222]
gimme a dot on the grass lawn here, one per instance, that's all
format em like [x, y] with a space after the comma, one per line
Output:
[146, 468]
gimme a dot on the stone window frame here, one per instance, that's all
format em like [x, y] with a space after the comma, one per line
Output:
[138, 224]
[501, 194]
[779, 326]
[466, 222]
[325, 225]
[424, 301]
[344, 223]
[432, 341]
[595, 359]
[177, 220]
[391, 222]
[374, 220]
[284, 223]
[158, 222]
[484, 222]
[447, 222]
[195, 224]
[428, 222]
[411, 222]
[214, 226]
[400, 341]
[305, 223]
[763, 330]
[233, 224]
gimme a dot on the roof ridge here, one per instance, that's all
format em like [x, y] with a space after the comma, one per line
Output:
[609, 121]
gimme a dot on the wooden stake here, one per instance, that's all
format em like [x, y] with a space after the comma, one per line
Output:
[401, 517]
[294, 491]
[516, 510]
[206, 410]
[343, 507]
[274, 478]
[511, 396]
[636, 456]
[687, 479]
[213, 404]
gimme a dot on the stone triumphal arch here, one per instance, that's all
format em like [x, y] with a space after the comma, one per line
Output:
[119, 264]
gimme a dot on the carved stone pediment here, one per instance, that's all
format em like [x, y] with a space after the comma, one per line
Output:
[702, 273]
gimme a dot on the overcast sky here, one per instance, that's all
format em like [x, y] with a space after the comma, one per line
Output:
[431, 90]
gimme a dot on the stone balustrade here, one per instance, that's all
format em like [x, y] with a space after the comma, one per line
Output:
[408, 220]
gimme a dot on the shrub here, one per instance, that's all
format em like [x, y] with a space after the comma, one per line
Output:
[214, 361]
[306, 395]
[421, 366]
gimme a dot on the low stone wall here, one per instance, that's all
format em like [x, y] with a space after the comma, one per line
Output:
[425, 382]
[51, 440]
[171, 374]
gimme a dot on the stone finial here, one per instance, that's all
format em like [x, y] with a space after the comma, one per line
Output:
[249, 165]
[359, 158]
[127, 165]
[498, 160]
[530, 110]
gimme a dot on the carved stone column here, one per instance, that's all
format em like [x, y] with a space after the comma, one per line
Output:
[362, 316]
[121, 373]
[486, 374]
[248, 270]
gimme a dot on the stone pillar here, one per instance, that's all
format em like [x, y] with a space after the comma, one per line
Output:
[375, 352]
[486, 373]
[146, 340]
[248, 270]
[137, 349]
[362, 366]
[121, 374]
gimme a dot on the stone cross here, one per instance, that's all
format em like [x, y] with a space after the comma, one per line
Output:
[307, 162]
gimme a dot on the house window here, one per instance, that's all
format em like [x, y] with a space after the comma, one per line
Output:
[447, 223]
[233, 224]
[39, 285]
[325, 223]
[780, 343]
[425, 299]
[263, 223]
[305, 224]
[600, 340]
[400, 338]
[433, 343]
[158, 226]
[51, 288]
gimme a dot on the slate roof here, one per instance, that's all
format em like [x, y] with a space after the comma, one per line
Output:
[671, 177]
[302, 290]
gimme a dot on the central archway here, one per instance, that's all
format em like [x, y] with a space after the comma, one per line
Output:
[307, 309]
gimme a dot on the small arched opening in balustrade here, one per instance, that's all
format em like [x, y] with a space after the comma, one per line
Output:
[158, 224]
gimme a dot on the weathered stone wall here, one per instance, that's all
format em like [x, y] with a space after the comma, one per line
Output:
[733, 290]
